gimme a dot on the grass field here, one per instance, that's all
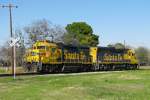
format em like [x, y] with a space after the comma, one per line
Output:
[7, 70]
[125, 85]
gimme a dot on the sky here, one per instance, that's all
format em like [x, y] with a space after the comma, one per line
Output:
[113, 20]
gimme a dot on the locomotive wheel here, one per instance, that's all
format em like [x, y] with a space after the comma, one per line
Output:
[34, 67]
[27, 67]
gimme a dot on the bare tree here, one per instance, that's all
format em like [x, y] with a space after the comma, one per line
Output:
[44, 29]
[20, 48]
[5, 54]
[5, 51]
[142, 54]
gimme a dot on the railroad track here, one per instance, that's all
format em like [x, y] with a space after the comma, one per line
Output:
[20, 74]
[26, 74]
[58, 74]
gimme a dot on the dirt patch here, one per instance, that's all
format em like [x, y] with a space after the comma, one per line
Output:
[129, 77]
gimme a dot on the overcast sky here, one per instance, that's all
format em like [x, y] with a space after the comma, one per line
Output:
[113, 20]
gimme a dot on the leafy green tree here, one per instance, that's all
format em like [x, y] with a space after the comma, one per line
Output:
[117, 45]
[80, 33]
[110, 45]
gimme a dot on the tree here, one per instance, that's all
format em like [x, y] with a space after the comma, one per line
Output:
[43, 29]
[117, 45]
[110, 45]
[5, 52]
[20, 49]
[80, 33]
[142, 54]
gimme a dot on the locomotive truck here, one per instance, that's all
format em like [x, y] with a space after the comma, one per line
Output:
[46, 56]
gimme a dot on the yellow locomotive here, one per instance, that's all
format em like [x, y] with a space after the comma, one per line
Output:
[48, 56]
[110, 58]
[56, 57]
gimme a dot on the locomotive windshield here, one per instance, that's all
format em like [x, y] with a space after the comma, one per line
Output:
[41, 47]
[34, 53]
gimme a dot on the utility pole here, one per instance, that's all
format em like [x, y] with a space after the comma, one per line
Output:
[124, 44]
[10, 6]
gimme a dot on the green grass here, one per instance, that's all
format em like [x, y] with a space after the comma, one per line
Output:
[2, 71]
[7, 70]
[126, 85]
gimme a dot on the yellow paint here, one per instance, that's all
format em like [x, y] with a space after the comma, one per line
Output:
[93, 53]
[130, 55]
[51, 53]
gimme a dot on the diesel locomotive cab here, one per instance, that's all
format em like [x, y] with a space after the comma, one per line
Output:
[42, 52]
[31, 58]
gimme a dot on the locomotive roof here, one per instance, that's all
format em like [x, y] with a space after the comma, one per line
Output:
[60, 44]
[73, 46]
[113, 49]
